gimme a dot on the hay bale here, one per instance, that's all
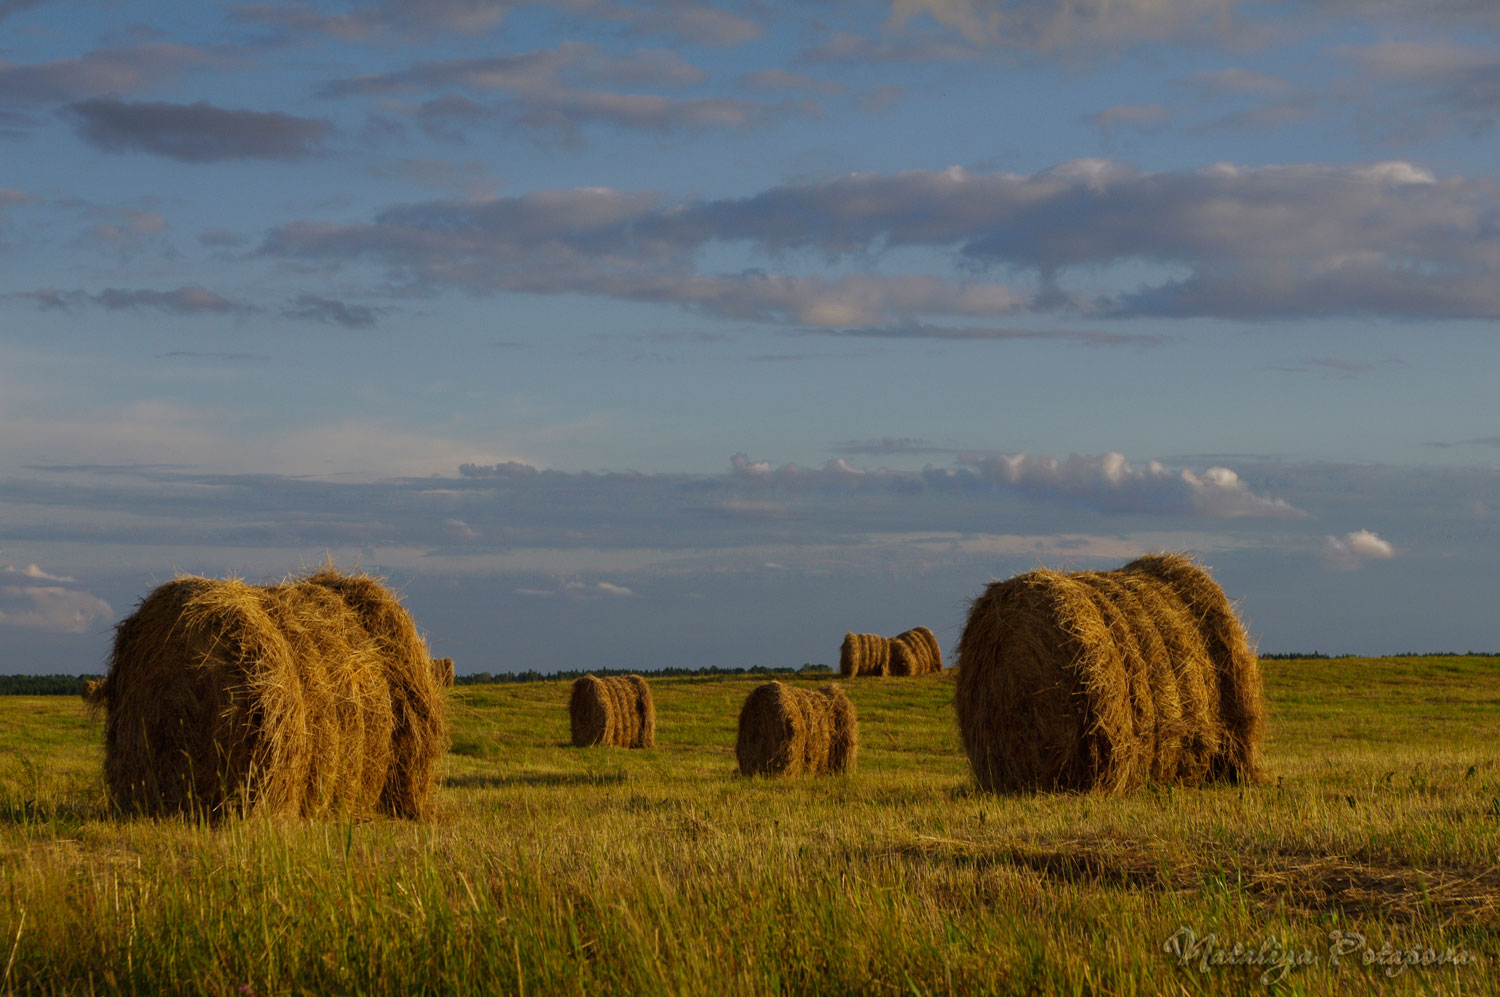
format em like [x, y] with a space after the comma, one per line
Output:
[1107, 680]
[442, 672]
[92, 692]
[789, 731]
[916, 652]
[864, 654]
[616, 712]
[310, 697]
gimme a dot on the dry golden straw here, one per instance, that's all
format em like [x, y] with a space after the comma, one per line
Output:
[93, 692]
[616, 712]
[916, 652]
[864, 654]
[1108, 680]
[442, 671]
[790, 731]
[311, 697]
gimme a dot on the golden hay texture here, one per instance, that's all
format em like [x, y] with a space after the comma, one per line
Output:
[442, 671]
[93, 692]
[916, 652]
[864, 654]
[790, 731]
[616, 712]
[310, 697]
[1108, 680]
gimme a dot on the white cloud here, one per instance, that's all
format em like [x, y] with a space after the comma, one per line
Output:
[1352, 550]
[580, 590]
[460, 530]
[32, 571]
[598, 590]
[1112, 484]
[52, 607]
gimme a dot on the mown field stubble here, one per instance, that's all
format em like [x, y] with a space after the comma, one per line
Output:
[550, 869]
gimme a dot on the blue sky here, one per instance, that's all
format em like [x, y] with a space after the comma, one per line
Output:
[655, 333]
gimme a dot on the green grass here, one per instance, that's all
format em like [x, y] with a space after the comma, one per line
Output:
[555, 870]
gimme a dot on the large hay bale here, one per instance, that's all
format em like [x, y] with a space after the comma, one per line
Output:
[314, 696]
[442, 671]
[616, 712]
[916, 652]
[1107, 680]
[790, 731]
[864, 654]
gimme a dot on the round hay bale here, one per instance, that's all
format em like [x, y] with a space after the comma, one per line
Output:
[442, 672]
[915, 652]
[788, 731]
[92, 692]
[1097, 681]
[309, 697]
[864, 654]
[616, 712]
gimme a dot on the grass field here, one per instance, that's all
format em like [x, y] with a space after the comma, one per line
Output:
[556, 870]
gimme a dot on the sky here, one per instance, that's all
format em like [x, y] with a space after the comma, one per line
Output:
[668, 333]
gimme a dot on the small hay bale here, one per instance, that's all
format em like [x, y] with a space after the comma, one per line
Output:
[442, 671]
[916, 652]
[1107, 680]
[789, 731]
[616, 712]
[864, 654]
[311, 697]
[92, 692]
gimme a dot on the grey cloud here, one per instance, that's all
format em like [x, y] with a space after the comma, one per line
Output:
[1287, 241]
[224, 357]
[1087, 337]
[854, 49]
[781, 79]
[889, 445]
[195, 133]
[1238, 82]
[315, 308]
[183, 301]
[368, 19]
[699, 23]
[191, 299]
[110, 70]
[528, 72]
[557, 91]
[1048, 25]
[1461, 81]
[10, 7]
[1280, 114]
[1136, 115]
[219, 238]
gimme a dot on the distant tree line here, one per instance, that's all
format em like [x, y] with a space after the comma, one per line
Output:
[43, 685]
[710, 671]
[1319, 655]
[72, 685]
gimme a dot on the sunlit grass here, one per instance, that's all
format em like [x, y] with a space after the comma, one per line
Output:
[558, 870]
